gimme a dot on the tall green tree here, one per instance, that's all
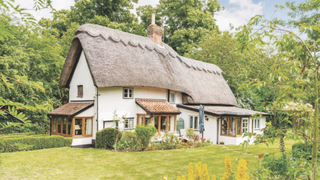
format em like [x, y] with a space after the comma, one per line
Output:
[304, 18]
[185, 22]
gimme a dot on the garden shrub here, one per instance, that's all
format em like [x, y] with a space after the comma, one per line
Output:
[190, 133]
[128, 140]
[170, 141]
[28, 128]
[300, 150]
[106, 138]
[28, 143]
[144, 134]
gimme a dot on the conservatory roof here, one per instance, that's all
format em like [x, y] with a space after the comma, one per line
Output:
[223, 110]
[157, 106]
[71, 109]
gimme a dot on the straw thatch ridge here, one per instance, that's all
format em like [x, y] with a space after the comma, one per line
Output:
[117, 58]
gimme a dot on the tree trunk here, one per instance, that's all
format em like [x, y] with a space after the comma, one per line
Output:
[316, 128]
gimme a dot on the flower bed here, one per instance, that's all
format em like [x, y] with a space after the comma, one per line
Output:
[166, 142]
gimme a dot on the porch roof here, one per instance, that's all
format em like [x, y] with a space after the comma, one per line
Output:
[71, 109]
[223, 110]
[157, 106]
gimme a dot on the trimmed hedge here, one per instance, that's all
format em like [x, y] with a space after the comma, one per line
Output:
[106, 138]
[29, 143]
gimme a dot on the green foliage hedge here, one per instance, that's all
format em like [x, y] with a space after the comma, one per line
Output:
[106, 138]
[33, 142]
[301, 151]
[144, 134]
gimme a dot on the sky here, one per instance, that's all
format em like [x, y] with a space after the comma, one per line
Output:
[236, 12]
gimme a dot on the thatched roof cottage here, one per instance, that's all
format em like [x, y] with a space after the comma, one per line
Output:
[112, 72]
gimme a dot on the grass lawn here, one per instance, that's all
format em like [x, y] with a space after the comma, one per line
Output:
[75, 163]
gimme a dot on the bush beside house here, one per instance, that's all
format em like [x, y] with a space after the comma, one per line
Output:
[106, 138]
[33, 142]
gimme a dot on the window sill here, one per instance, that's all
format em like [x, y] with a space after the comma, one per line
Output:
[228, 135]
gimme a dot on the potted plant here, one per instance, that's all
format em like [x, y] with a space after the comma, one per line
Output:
[221, 143]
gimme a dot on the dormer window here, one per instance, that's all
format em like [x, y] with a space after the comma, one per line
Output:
[127, 93]
[80, 91]
[172, 98]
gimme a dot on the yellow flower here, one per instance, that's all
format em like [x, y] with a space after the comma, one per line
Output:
[213, 177]
[242, 170]
[190, 172]
[183, 177]
[227, 172]
[198, 170]
[165, 177]
[178, 178]
[205, 173]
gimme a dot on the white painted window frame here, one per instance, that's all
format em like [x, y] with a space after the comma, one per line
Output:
[255, 124]
[172, 97]
[128, 94]
[247, 122]
[193, 122]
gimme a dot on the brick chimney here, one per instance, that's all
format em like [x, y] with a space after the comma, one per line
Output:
[155, 32]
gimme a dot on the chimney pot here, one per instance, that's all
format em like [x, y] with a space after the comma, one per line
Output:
[153, 19]
[155, 32]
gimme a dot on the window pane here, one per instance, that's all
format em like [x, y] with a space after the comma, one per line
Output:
[69, 126]
[238, 126]
[130, 92]
[126, 123]
[224, 126]
[258, 123]
[125, 92]
[196, 123]
[141, 120]
[59, 125]
[156, 122]
[64, 128]
[78, 127]
[172, 98]
[244, 126]
[191, 121]
[146, 120]
[54, 124]
[88, 126]
[232, 124]
[80, 91]
[163, 124]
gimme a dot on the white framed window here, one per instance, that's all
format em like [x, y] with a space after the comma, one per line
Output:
[194, 122]
[128, 123]
[244, 125]
[257, 124]
[172, 98]
[127, 93]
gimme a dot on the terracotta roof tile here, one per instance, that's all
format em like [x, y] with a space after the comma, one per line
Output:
[156, 106]
[70, 109]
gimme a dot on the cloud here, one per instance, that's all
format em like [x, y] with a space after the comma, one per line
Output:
[237, 13]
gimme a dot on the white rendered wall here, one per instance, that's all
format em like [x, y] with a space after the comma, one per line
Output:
[111, 99]
[82, 76]
[210, 125]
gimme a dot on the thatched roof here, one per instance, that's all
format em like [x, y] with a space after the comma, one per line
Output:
[223, 110]
[157, 106]
[118, 58]
[71, 109]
